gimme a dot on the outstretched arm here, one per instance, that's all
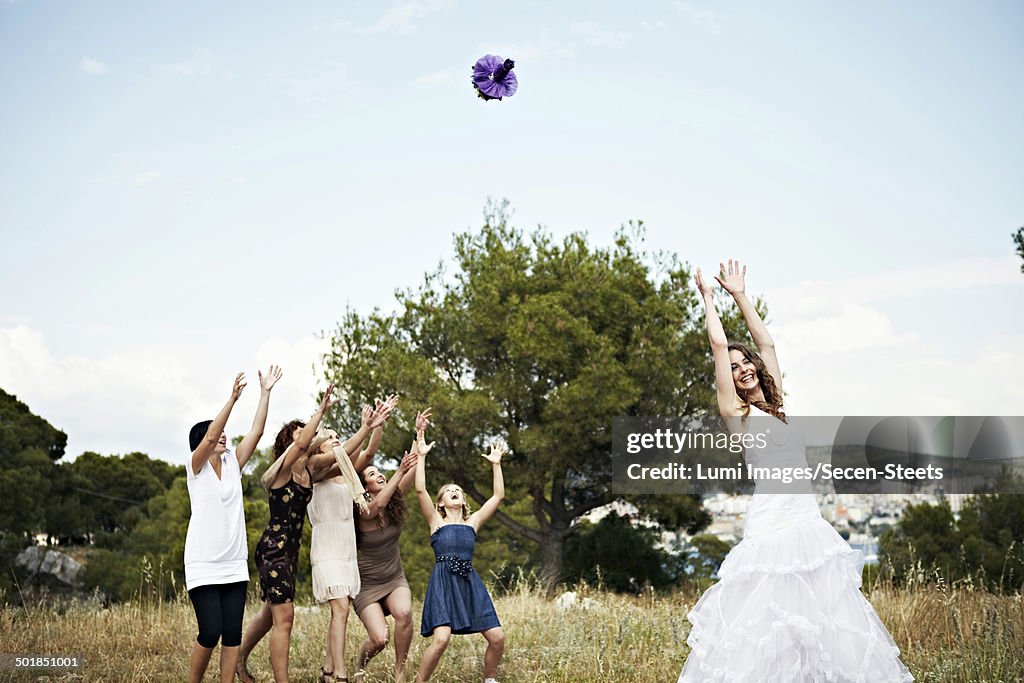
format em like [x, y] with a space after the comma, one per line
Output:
[380, 414]
[732, 280]
[422, 422]
[426, 505]
[248, 444]
[381, 500]
[490, 506]
[205, 448]
[728, 401]
[304, 438]
[371, 424]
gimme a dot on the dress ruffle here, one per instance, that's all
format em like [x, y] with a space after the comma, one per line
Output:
[788, 609]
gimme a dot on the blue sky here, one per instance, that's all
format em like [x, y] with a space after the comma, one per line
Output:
[187, 190]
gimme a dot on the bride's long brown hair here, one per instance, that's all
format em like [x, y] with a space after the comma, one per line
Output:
[772, 403]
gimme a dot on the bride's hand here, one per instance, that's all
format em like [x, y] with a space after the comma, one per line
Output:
[703, 287]
[731, 278]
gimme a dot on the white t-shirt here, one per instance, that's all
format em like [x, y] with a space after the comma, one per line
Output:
[215, 547]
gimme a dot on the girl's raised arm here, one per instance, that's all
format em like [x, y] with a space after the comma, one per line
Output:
[490, 506]
[426, 504]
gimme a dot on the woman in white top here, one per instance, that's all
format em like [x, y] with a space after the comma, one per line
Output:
[216, 552]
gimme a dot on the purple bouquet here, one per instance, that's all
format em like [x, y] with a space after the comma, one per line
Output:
[493, 78]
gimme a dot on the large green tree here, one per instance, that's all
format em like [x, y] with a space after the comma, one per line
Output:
[542, 342]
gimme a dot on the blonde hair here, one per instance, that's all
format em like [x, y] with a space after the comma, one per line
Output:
[440, 508]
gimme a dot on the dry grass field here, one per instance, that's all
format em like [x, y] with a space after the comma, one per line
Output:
[954, 635]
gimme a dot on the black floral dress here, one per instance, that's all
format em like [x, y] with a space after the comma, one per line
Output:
[277, 553]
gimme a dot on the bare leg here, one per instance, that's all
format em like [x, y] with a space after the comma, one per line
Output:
[228, 663]
[377, 634]
[336, 636]
[258, 627]
[198, 661]
[400, 605]
[432, 655]
[495, 648]
[328, 665]
[281, 639]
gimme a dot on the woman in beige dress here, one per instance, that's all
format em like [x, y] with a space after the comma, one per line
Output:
[337, 491]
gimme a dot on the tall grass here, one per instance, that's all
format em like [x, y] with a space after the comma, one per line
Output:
[947, 634]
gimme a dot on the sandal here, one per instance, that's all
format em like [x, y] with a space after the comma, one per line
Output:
[326, 676]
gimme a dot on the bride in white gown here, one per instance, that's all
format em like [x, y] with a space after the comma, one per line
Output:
[787, 607]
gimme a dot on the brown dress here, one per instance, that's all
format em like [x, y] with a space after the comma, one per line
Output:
[380, 566]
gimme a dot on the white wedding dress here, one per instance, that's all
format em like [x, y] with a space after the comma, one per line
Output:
[787, 607]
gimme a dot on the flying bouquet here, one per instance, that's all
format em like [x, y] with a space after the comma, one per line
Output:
[493, 78]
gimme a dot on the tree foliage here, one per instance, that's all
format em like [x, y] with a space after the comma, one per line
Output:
[542, 342]
[619, 555]
[985, 544]
[1018, 239]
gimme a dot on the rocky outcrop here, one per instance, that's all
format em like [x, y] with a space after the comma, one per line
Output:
[46, 566]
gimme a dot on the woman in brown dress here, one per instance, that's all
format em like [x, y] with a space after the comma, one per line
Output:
[385, 589]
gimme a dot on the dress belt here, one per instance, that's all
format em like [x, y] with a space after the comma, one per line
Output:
[456, 565]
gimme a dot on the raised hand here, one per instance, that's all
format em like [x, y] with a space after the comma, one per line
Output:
[236, 389]
[498, 448]
[423, 420]
[380, 414]
[731, 278]
[422, 447]
[408, 462]
[268, 380]
[328, 401]
[703, 287]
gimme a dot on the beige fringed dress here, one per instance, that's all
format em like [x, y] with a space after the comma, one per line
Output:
[333, 547]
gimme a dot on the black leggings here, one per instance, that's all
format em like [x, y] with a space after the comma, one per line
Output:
[219, 608]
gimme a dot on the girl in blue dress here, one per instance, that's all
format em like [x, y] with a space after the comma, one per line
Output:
[457, 601]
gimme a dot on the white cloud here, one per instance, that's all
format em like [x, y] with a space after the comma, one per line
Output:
[909, 378]
[91, 65]
[705, 20]
[592, 34]
[850, 327]
[810, 297]
[842, 356]
[401, 17]
[146, 399]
